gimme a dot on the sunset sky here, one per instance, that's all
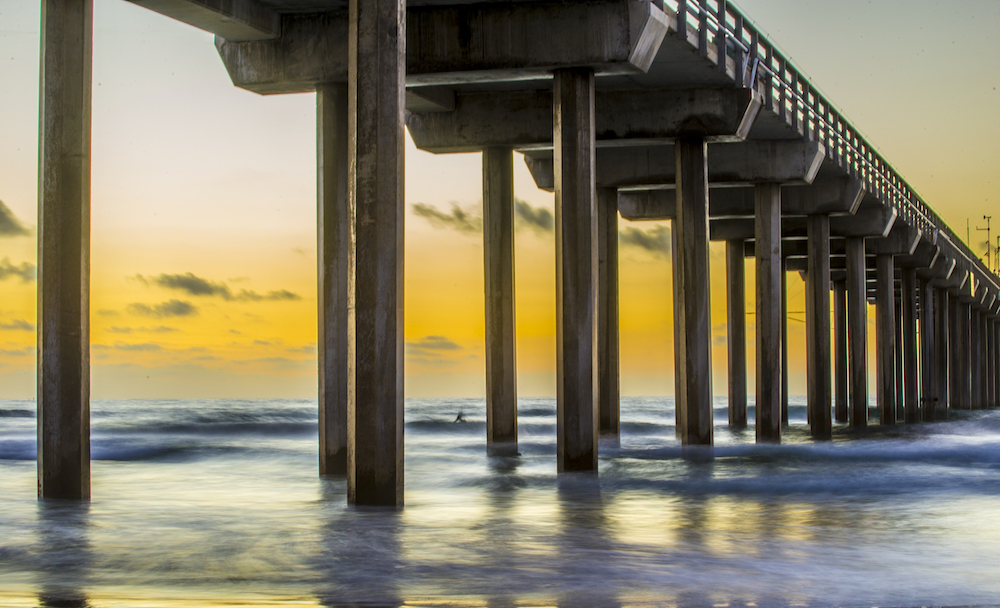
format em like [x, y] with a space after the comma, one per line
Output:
[203, 206]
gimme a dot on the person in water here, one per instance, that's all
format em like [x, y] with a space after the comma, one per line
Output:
[460, 417]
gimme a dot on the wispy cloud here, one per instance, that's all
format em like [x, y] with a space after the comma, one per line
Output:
[429, 347]
[18, 352]
[655, 240]
[538, 219]
[470, 220]
[161, 329]
[194, 285]
[171, 308]
[25, 271]
[17, 324]
[9, 224]
[308, 349]
[459, 219]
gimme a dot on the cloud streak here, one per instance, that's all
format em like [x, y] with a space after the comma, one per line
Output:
[655, 240]
[10, 226]
[171, 308]
[25, 271]
[18, 324]
[193, 285]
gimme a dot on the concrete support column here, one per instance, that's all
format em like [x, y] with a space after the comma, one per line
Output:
[64, 250]
[784, 342]
[885, 328]
[927, 352]
[336, 275]
[737, 332]
[576, 270]
[767, 206]
[376, 70]
[607, 313]
[966, 320]
[898, 354]
[857, 331]
[908, 299]
[975, 332]
[988, 371]
[954, 354]
[840, 382]
[693, 304]
[680, 384]
[818, 327]
[498, 258]
[941, 325]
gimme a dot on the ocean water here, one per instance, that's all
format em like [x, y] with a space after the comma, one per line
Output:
[218, 503]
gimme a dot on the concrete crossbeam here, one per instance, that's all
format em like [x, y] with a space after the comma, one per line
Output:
[576, 271]
[485, 42]
[523, 120]
[728, 202]
[901, 240]
[375, 101]
[64, 250]
[653, 167]
[230, 19]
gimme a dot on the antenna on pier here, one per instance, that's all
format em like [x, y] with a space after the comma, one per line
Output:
[988, 243]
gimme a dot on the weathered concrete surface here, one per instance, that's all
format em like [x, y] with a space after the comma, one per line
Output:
[576, 271]
[784, 341]
[736, 323]
[64, 250]
[693, 304]
[841, 383]
[885, 339]
[484, 42]
[232, 19]
[519, 118]
[908, 302]
[955, 342]
[498, 263]
[818, 391]
[857, 332]
[335, 219]
[898, 355]
[942, 337]
[901, 240]
[869, 221]
[975, 358]
[607, 313]
[927, 351]
[375, 415]
[654, 167]
[769, 311]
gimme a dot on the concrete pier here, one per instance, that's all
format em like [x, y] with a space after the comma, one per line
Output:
[898, 355]
[967, 355]
[377, 37]
[607, 313]
[64, 250]
[576, 270]
[975, 360]
[736, 332]
[767, 199]
[818, 391]
[942, 339]
[784, 342]
[335, 221]
[857, 331]
[955, 340]
[498, 261]
[693, 304]
[885, 328]
[927, 352]
[908, 298]
[840, 383]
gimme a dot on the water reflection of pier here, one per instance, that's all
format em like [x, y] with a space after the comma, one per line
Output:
[673, 110]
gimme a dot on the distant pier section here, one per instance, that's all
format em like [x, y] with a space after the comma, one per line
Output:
[653, 110]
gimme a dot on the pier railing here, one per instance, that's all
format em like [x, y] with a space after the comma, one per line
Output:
[788, 94]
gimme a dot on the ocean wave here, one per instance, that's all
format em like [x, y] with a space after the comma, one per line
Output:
[17, 413]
